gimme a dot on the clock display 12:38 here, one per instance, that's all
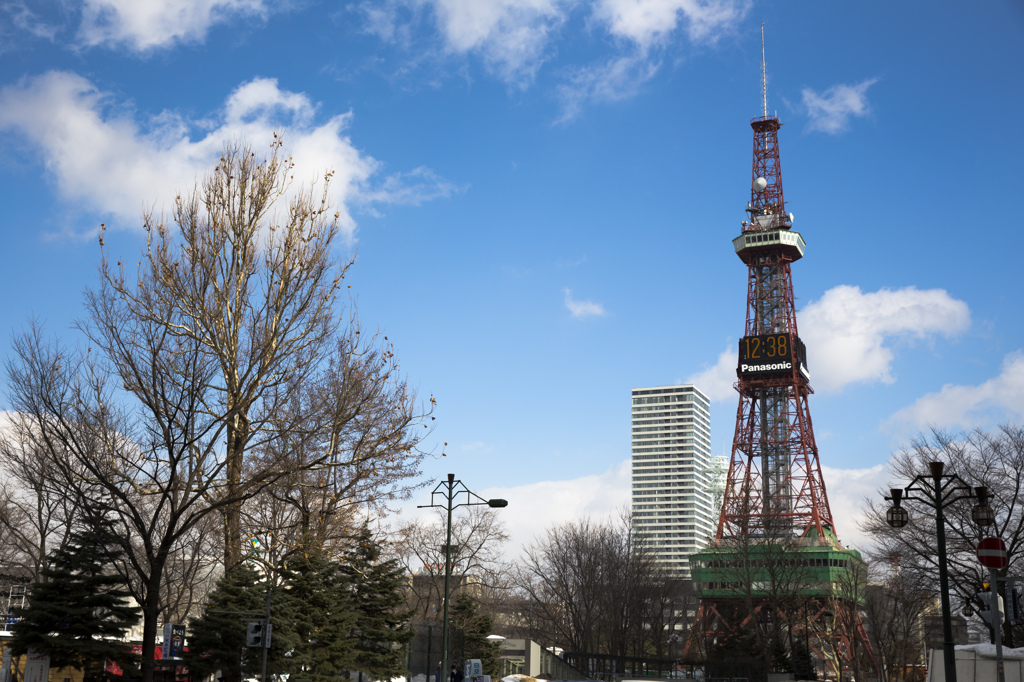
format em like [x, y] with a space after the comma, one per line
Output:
[771, 355]
[765, 348]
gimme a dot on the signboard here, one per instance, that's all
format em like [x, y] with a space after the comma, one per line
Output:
[771, 355]
[473, 668]
[174, 640]
[992, 553]
[1014, 602]
[37, 667]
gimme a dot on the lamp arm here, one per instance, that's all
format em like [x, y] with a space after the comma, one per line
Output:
[468, 504]
[963, 496]
[923, 500]
[469, 498]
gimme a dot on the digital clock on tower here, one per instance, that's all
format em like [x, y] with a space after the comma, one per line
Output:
[771, 355]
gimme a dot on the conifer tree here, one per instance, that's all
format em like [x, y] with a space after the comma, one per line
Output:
[217, 640]
[740, 653]
[79, 612]
[310, 611]
[475, 627]
[323, 621]
[381, 627]
[803, 663]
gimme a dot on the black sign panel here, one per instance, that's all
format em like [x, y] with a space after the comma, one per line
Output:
[769, 355]
[174, 640]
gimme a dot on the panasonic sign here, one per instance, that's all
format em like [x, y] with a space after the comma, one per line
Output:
[744, 368]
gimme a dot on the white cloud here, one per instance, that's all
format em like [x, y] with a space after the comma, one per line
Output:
[515, 37]
[511, 36]
[830, 111]
[847, 334]
[959, 405]
[105, 160]
[26, 20]
[641, 25]
[846, 331]
[648, 22]
[617, 79]
[717, 381]
[582, 308]
[144, 25]
[410, 189]
[535, 507]
[847, 490]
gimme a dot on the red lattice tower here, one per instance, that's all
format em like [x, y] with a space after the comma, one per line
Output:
[774, 486]
[775, 509]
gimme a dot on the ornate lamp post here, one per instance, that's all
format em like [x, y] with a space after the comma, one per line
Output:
[451, 491]
[938, 491]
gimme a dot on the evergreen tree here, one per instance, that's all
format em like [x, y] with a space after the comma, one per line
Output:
[79, 612]
[803, 664]
[217, 640]
[780, 662]
[475, 627]
[327, 619]
[381, 627]
[311, 615]
[739, 653]
[323, 621]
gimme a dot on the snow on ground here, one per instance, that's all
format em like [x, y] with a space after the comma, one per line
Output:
[989, 651]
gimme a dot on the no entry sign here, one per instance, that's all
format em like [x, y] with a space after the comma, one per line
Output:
[992, 553]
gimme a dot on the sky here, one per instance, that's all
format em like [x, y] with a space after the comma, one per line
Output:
[542, 196]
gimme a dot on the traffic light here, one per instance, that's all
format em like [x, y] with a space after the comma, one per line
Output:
[258, 635]
[254, 635]
[985, 598]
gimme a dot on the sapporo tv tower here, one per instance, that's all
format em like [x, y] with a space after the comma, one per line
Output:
[775, 573]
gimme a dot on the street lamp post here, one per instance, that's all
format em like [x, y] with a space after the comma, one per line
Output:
[450, 491]
[938, 491]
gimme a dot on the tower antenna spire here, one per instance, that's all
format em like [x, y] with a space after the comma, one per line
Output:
[764, 78]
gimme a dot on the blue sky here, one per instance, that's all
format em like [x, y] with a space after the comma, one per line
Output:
[542, 194]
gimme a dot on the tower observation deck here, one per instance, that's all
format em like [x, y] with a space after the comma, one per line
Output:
[775, 572]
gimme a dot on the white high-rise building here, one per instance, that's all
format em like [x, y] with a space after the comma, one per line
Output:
[672, 500]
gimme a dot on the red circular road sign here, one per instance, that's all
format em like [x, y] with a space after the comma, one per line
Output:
[992, 553]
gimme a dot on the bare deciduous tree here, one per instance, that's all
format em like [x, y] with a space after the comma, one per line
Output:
[191, 572]
[768, 579]
[600, 587]
[205, 371]
[841, 631]
[36, 518]
[478, 536]
[253, 292]
[356, 458]
[991, 458]
[895, 603]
